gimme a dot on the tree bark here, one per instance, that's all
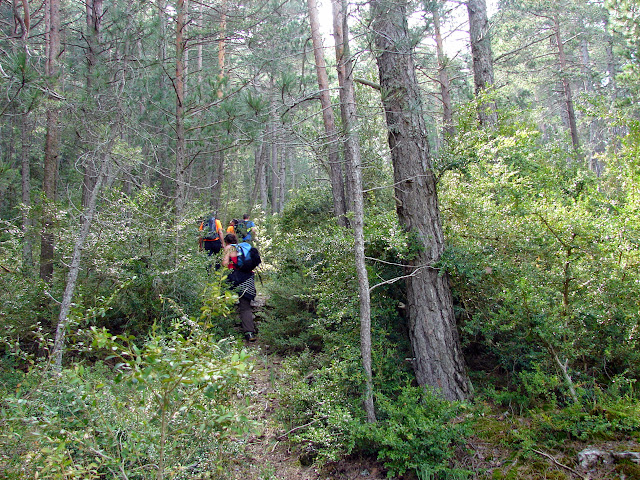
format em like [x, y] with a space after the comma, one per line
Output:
[216, 178]
[335, 167]
[74, 267]
[482, 58]
[273, 157]
[52, 47]
[448, 128]
[566, 86]
[93, 19]
[181, 184]
[438, 359]
[596, 144]
[344, 66]
[257, 172]
[222, 47]
[262, 176]
[282, 177]
[27, 243]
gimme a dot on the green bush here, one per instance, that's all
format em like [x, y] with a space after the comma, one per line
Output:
[168, 404]
[418, 432]
[320, 403]
[542, 264]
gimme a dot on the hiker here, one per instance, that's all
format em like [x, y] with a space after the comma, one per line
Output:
[246, 229]
[232, 225]
[243, 283]
[211, 235]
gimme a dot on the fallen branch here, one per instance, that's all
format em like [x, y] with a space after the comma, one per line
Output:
[285, 435]
[550, 457]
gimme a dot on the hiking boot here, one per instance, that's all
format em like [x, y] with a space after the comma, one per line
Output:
[250, 336]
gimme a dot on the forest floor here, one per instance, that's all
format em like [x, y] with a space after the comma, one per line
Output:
[266, 454]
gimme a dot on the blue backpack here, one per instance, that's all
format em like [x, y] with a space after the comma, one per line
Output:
[248, 257]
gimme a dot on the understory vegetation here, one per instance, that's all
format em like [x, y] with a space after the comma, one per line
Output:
[472, 166]
[543, 262]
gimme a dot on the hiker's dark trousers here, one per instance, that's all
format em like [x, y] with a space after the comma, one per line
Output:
[245, 312]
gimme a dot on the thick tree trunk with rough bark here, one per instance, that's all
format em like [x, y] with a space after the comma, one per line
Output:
[482, 58]
[335, 167]
[438, 361]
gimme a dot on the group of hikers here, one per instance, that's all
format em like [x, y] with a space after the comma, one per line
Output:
[240, 256]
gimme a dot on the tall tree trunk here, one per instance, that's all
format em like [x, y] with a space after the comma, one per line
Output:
[443, 76]
[566, 87]
[25, 149]
[27, 243]
[262, 176]
[222, 47]
[273, 164]
[216, 178]
[181, 184]
[93, 19]
[596, 145]
[162, 34]
[74, 267]
[52, 44]
[482, 58]
[200, 45]
[344, 67]
[219, 156]
[438, 359]
[282, 177]
[335, 167]
[257, 172]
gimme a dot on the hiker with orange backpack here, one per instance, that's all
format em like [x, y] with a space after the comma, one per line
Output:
[211, 235]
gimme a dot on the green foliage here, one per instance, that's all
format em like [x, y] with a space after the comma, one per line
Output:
[417, 431]
[311, 207]
[319, 404]
[132, 251]
[608, 417]
[169, 405]
[311, 299]
[600, 423]
[20, 291]
[541, 264]
[312, 296]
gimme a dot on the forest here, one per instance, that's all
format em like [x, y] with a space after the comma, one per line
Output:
[446, 196]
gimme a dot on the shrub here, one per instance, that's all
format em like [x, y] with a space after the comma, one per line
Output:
[418, 431]
[167, 404]
[319, 404]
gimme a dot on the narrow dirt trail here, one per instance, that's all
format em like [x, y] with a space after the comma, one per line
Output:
[266, 454]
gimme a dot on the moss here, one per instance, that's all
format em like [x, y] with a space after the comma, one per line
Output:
[628, 468]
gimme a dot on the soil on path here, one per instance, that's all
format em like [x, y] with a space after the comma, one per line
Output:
[267, 453]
